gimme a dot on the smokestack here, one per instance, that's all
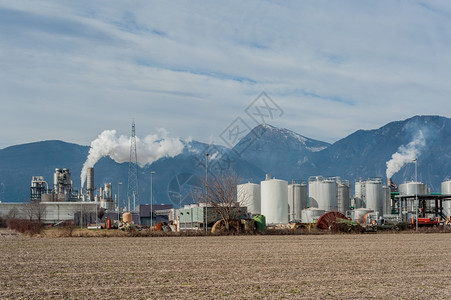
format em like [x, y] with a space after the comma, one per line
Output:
[90, 184]
[268, 177]
[388, 181]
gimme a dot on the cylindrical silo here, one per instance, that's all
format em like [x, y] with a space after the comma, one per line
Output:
[446, 190]
[297, 200]
[344, 196]
[248, 195]
[359, 196]
[323, 193]
[374, 196]
[413, 188]
[274, 204]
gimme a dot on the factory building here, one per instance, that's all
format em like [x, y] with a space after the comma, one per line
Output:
[195, 216]
[61, 202]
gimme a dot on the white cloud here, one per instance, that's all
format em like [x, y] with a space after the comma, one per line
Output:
[193, 67]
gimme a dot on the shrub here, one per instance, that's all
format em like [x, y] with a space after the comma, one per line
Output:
[25, 226]
[67, 228]
[2, 222]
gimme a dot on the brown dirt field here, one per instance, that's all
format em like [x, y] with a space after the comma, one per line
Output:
[366, 266]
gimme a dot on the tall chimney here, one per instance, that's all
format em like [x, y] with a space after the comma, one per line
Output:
[90, 184]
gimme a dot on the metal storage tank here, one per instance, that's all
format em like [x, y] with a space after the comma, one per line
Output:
[297, 200]
[358, 214]
[274, 204]
[248, 195]
[344, 195]
[309, 215]
[323, 193]
[374, 196]
[359, 196]
[127, 217]
[413, 188]
[446, 190]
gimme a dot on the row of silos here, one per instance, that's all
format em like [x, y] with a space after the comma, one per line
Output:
[277, 200]
[281, 202]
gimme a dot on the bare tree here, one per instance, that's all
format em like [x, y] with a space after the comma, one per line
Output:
[12, 214]
[28, 210]
[39, 211]
[33, 210]
[221, 193]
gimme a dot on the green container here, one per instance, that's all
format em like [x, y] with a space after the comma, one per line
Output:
[260, 223]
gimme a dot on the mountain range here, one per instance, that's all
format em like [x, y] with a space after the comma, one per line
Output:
[280, 152]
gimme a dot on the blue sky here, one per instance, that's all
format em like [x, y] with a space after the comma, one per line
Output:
[71, 69]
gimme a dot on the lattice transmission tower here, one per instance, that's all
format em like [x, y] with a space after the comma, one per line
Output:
[133, 190]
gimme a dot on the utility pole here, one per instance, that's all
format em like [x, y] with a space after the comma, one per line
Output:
[133, 188]
[151, 199]
[416, 191]
[118, 204]
[206, 182]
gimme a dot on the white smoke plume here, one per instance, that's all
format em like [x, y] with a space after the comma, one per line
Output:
[405, 154]
[149, 149]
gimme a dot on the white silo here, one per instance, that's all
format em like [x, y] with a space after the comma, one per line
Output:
[248, 195]
[297, 200]
[274, 204]
[359, 196]
[323, 193]
[374, 195]
[446, 190]
[344, 195]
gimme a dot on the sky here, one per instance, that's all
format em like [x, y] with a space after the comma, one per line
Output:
[203, 69]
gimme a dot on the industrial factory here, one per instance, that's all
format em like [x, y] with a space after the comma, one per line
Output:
[62, 202]
[277, 201]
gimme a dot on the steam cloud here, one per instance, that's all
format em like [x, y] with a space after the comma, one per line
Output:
[405, 154]
[150, 149]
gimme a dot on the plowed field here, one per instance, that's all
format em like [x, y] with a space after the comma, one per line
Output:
[366, 266]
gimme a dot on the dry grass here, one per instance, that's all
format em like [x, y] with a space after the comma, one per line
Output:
[367, 266]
